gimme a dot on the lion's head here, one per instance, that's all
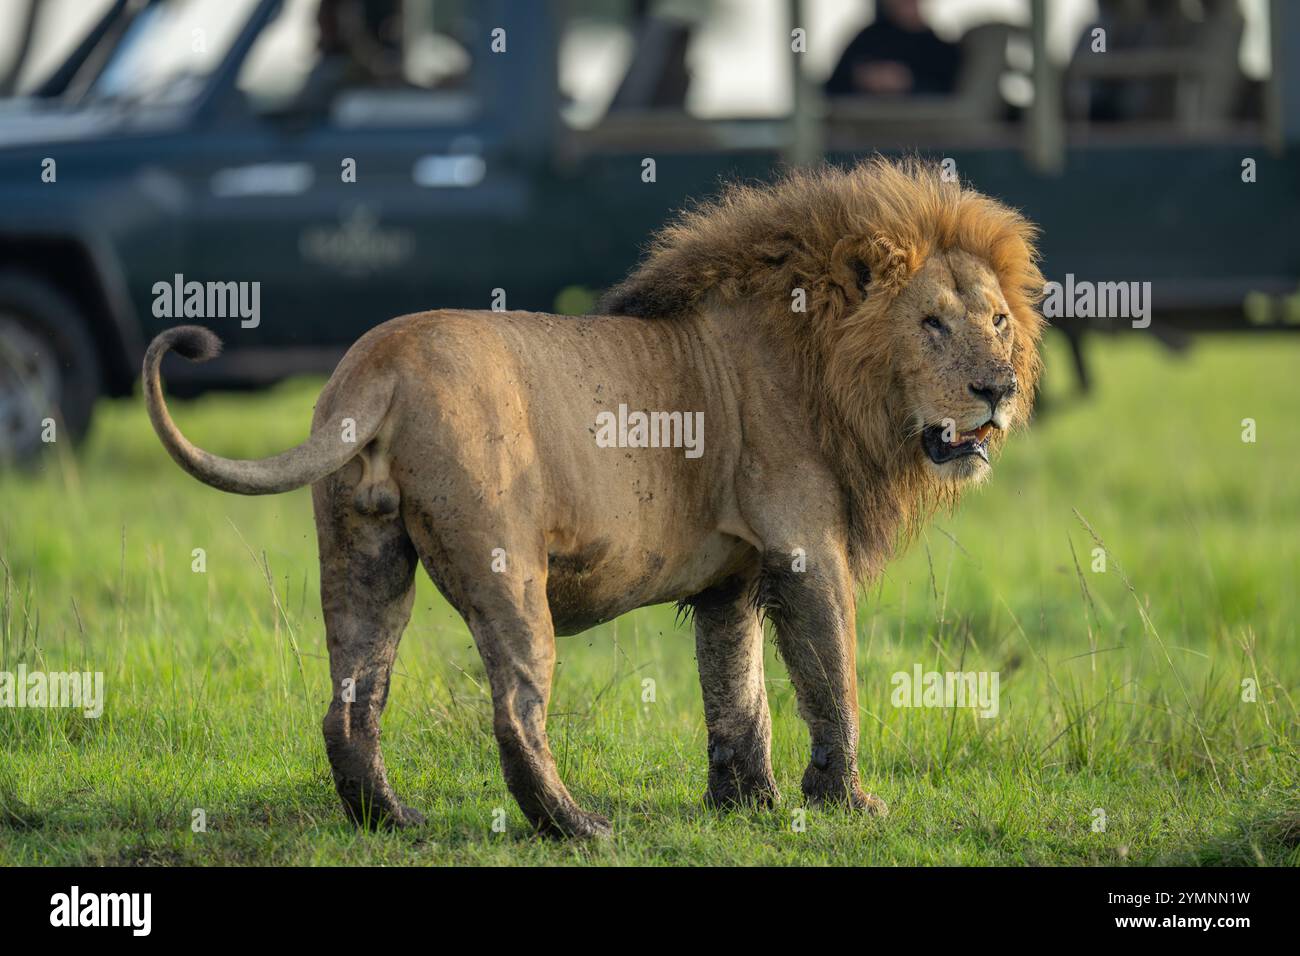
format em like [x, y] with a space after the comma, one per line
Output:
[952, 344]
[907, 303]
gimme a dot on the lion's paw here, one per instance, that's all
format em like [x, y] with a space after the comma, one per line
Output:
[870, 803]
[729, 793]
[406, 817]
[575, 824]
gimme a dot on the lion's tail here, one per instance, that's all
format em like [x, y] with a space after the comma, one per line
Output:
[329, 448]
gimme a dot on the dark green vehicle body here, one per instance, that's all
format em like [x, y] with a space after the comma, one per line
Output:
[524, 205]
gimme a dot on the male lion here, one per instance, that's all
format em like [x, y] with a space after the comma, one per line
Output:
[858, 341]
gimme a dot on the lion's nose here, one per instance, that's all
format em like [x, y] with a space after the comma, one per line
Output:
[994, 392]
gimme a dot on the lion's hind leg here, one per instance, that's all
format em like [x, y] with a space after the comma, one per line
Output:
[517, 643]
[367, 588]
[498, 584]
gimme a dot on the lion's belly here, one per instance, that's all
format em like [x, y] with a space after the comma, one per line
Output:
[595, 583]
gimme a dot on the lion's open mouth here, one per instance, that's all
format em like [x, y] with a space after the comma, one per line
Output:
[966, 443]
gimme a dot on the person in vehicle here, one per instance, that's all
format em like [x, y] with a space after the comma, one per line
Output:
[364, 38]
[1163, 60]
[897, 55]
[359, 47]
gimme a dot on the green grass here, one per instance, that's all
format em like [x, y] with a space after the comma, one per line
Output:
[216, 682]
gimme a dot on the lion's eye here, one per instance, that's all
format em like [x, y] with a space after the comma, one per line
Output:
[935, 324]
[999, 320]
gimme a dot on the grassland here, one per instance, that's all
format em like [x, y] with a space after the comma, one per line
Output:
[1121, 691]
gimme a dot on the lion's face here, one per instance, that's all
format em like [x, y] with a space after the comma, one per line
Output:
[954, 336]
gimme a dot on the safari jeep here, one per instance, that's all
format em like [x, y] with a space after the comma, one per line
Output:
[234, 162]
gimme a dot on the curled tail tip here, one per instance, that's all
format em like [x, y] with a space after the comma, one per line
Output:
[193, 342]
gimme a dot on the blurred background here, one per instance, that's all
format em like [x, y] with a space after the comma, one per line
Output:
[361, 159]
[1130, 569]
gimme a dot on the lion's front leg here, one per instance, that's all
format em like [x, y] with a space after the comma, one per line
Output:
[813, 610]
[729, 648]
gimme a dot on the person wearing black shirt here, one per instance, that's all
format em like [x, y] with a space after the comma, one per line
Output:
[897, 55]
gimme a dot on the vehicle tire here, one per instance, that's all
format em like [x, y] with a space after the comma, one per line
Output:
[49, 367]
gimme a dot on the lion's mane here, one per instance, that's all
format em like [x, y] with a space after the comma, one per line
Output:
[834, 233]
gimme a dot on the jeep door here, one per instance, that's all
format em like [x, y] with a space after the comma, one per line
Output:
[357, 188]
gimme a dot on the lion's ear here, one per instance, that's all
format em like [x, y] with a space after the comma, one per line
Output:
[850, 265]
[891, 264]
[861, 272]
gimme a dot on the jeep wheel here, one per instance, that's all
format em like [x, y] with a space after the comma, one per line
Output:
[48, 368]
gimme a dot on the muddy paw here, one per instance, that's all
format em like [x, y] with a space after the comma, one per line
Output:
[823, 788]
[405, 817]
[853, 799]
[576, 824]
[382, 815]
[870, 803]
[731, 792]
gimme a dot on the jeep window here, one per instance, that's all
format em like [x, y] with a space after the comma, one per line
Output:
[169, 51]
[666, 57]
[374, 63]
